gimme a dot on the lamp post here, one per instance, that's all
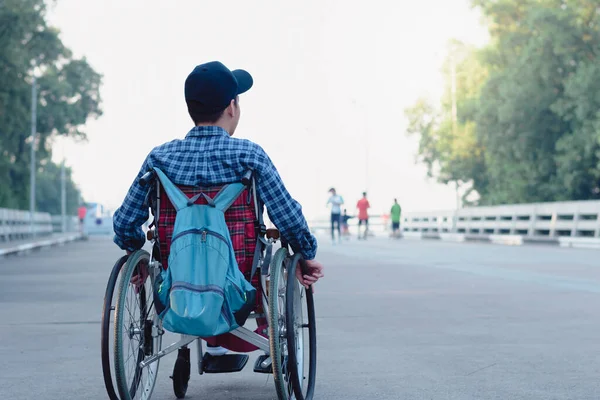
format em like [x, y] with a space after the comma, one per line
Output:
[33, 163]
[454, 123]
[63, 197]
[454, 111]
[63, 184]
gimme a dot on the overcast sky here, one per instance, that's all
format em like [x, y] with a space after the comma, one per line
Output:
[332, 79]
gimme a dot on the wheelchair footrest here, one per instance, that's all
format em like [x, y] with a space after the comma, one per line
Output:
[263, 365]
[223, 364]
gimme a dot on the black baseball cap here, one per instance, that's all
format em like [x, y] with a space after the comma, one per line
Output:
[212, 86]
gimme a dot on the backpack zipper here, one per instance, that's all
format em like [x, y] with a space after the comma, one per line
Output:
[203, 232]
[198, 288]
[206, 288]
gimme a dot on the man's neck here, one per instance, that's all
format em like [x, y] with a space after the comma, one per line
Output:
[217, 124]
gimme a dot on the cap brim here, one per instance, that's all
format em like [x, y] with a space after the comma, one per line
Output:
[244, 80]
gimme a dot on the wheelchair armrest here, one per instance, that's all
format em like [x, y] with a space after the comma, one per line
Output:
[147, 178]
[247, 178]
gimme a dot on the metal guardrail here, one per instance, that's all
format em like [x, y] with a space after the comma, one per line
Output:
[71, 223]
[377, 224]
[542, 220]
[574, 219]
[16, 224]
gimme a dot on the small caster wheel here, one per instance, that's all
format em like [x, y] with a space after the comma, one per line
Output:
[181, 373]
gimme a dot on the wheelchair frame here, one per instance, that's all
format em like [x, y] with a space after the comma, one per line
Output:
[288, 387]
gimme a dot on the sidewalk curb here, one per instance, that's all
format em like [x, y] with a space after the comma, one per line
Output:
[27, 247]
[508, 240]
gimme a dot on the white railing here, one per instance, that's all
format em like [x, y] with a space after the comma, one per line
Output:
[16, 224]
[71, 223]
[560, 222]
[377, 225]
[541, 220]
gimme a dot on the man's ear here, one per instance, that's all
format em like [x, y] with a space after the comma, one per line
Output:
[232, 109]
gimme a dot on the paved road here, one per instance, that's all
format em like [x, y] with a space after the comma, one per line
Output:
[396, 320]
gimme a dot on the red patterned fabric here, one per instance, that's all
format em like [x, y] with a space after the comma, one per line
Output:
[240, 219]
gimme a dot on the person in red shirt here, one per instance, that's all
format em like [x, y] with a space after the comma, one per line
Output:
[81, 213]
[363, 215]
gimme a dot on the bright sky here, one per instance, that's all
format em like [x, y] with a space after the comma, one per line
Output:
[331, 81]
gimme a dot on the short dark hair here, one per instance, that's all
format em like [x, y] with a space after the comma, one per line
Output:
[195, 111]
[364, 194]
[199, 116]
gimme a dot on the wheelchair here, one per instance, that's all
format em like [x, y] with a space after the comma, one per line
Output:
[132, 331]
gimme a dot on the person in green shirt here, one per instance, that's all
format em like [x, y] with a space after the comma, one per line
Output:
[395, 213]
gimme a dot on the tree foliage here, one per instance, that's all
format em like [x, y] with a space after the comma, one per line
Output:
[48, 189]
[68, 95]
[532, 109]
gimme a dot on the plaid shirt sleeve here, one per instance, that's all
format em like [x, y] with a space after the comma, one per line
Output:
[129, 218]
[283, 210]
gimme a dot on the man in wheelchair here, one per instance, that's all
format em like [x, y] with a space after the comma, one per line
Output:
[210, 157]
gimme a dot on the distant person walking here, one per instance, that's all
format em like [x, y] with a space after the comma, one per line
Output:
[395, 214]
[336, 201]
[345, 218]
[363, 215]
[81, 213]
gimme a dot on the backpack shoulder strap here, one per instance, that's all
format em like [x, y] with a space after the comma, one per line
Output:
[227, 195]
[177, 197]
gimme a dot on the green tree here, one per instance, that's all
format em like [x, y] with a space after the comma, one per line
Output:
[538, 47]
[68, 95]
[528, 126]
[448, 143]
[49, 190]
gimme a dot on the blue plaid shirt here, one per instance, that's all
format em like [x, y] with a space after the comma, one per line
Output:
[208, 156]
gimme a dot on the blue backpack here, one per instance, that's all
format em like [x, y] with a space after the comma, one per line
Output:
[202, 292]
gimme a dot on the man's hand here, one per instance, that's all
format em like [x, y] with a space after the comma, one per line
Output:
[139, 275]
[312, 269]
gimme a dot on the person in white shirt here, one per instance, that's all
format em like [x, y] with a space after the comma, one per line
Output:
[336, 202]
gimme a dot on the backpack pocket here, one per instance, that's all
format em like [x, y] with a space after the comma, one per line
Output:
[240, 297]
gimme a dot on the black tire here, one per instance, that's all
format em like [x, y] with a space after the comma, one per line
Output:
[303, 385]
[277, 343]
[105, 328]
[134, 383]
[181, 377]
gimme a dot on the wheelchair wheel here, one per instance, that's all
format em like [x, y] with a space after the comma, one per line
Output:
[293, 374]
[138, 333]
[300, 311]
[107, 316]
